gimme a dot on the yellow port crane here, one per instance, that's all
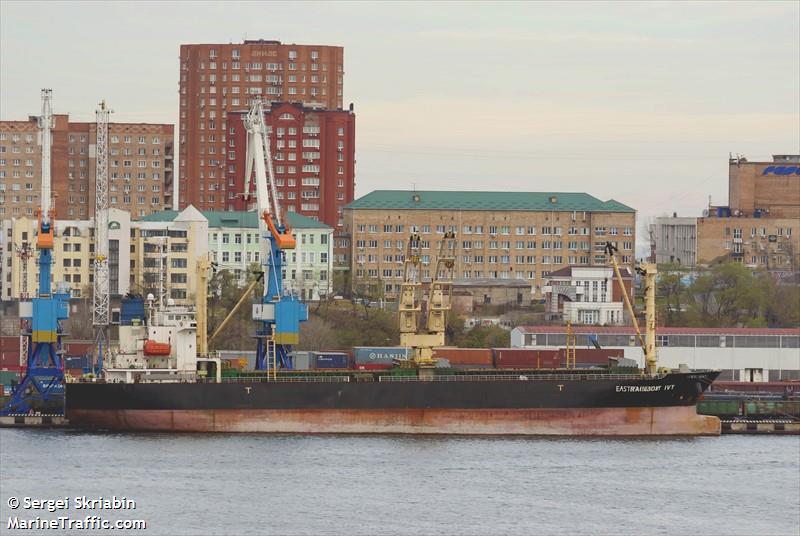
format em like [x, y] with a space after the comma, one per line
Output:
[424, 339]
[648, 342]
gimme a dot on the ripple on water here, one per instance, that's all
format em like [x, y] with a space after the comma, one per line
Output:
[291, 484]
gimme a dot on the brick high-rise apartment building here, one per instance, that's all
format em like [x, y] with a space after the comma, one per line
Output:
[139, 160]
[313, 154]
[217, 79]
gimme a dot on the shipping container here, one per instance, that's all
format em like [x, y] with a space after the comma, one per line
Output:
[77, 349]
[592, 356]
[373, 366]
[9, 359]
[383, 355]
[74, 372]
[77, 362]
[8, 377]
[131, 311]
[465, 357]
[248, 355]
[9, 344]
[301, 360]
[520, 358]
[330, 360]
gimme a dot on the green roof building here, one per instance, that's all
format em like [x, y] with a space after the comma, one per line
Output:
[233, 243]
[501, 235]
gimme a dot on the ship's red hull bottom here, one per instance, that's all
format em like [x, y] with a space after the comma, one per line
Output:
[676, 421]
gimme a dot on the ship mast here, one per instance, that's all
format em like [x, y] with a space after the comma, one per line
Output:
[648, 342]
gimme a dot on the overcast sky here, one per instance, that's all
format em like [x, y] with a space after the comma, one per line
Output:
[640, 102]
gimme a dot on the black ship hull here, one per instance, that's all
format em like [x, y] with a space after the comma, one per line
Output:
[555, 404]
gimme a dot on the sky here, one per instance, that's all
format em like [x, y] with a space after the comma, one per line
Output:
[639, 102]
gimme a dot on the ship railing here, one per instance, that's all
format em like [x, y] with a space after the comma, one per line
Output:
[510, 377]
[279, 379]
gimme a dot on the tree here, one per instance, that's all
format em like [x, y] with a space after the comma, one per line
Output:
[484, 337]
[224, 292]
[671, 292]
[316, 335]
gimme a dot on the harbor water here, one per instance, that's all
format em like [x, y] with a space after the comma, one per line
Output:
[353, 485]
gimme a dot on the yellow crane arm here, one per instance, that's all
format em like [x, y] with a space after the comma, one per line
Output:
[236, 307]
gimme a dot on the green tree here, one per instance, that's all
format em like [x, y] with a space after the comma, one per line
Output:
[484, 337]
[671, 294]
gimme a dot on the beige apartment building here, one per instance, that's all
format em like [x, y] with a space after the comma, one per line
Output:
[73, 255]
[140, 162]
[500, 235]
[164, 256]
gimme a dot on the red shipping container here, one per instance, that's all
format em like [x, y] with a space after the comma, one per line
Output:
[374, 366]
[9, 359]
[9, 344]
[482, 357]
[75, 373]
[522, 358]
[18, 369]
[78, 348]
[592, 356]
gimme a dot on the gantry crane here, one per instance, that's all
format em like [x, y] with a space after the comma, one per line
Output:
[101, 314]
[424, 339]
[42, 387]
[280, 313]
[648, 342]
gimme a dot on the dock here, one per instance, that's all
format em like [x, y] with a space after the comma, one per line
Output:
[761, 426]
[33, 421]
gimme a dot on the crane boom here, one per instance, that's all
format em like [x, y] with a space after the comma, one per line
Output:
[100, 296]
[648, 342]
[45, 125]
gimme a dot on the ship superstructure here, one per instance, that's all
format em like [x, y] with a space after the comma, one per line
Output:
[158, 345]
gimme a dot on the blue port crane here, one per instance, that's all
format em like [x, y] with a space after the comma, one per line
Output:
[280, 312]
[42, 386]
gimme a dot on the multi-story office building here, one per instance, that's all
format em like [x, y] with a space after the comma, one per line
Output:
[216, 79]
[501, 235]
[587, 295]
[73, 255]
[675, 240]
[234, 244]
[760, 226]
[140, 167]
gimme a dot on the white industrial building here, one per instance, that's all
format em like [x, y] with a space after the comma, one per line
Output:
[743, 354]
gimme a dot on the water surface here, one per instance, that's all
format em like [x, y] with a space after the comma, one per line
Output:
[353, 485]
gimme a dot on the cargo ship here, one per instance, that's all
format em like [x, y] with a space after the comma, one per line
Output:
[543, 402]
[482, 392]
[157, 383]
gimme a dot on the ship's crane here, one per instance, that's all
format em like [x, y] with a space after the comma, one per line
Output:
[42, 387]
[424, 339]
[648, 342]
[280, 313]
[101, 315]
